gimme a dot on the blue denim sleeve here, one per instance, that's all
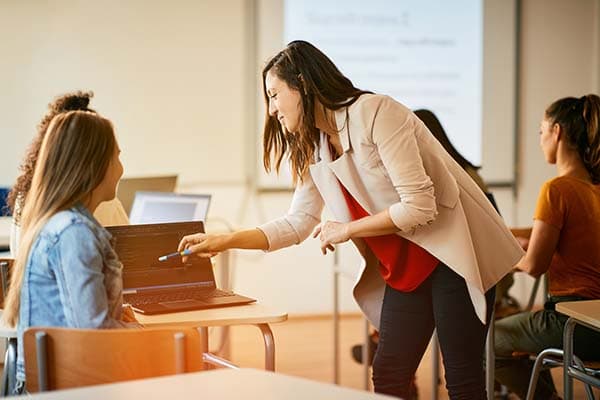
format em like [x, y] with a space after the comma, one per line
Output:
[80, 277]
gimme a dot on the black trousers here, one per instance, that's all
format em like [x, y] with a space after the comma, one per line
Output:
[407, 324]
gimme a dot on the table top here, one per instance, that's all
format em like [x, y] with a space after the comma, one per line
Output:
[225, 316]
[587, 311]
[249, 314]
[223, 384]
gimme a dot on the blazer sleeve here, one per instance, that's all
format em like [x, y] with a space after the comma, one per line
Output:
[394, 135]
[302, 217]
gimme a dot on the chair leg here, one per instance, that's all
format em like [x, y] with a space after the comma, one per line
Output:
[9, 373]
[4, 382]
[537, 368]
[588, 388]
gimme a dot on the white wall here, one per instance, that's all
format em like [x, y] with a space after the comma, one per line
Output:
[169, 75]
[177, 82]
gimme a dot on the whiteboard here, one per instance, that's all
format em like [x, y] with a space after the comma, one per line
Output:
[454, 58]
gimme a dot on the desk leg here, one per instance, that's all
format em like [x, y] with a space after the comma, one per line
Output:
[203, 340]
[568, 357]
[269, 346]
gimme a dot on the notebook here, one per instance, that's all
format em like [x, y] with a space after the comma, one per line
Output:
[129, 186]
[158, 207]
[153, 287]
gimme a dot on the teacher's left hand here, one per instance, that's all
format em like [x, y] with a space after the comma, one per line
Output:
[330, 233]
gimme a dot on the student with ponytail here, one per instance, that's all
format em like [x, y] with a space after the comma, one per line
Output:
[66, 272]
[563, 244]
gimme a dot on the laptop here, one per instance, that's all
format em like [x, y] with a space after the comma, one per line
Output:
[158, 207]
[129, 186]
[153, 287]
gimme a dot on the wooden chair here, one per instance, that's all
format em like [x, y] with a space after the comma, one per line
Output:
[60, 358]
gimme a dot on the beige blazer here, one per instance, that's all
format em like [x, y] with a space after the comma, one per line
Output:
[391, 161]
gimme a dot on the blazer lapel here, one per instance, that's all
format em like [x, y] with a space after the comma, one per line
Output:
[328, 184]
[345, 168]
[346, 171]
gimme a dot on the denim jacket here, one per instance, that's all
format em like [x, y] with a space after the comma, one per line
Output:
[72, 278]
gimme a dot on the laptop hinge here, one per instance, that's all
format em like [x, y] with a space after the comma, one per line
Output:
[169, 288]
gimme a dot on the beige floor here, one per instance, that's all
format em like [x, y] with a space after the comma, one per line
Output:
[304, 347]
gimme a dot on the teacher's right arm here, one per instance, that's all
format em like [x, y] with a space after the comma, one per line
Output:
[303, 216]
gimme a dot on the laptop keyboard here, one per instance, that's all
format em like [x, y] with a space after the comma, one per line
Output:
[139, 299]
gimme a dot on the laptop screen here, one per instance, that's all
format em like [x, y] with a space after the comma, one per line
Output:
[157, 207]
[139, 246]
[129, 186]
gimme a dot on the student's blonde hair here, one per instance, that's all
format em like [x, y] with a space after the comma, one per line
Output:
[74, 157]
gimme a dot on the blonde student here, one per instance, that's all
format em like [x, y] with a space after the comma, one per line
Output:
[66, 272]
[433, 246]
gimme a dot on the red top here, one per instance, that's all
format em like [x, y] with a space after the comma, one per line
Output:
[403, 264]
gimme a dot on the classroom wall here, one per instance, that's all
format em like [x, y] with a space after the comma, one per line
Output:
[177, 82]
[171, 76]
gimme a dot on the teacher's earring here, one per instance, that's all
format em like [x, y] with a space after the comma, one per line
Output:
[303, 84]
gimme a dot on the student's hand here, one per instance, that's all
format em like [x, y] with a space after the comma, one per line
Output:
[127, 314]
[202, 245]
[330, 233]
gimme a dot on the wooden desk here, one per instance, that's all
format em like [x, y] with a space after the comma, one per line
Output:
[225, 384]
[251, 314]
[586, 313]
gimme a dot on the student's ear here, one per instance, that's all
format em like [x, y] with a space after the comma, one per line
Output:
[557, 131]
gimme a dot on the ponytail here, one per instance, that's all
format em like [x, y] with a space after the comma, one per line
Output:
[591, 116]
[579, 119]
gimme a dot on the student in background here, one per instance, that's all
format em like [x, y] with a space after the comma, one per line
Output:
[66, 273]
[402, 200]
[108, 213]
[563, 244]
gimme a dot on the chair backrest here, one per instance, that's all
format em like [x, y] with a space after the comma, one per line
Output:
[5, 268]
[60, 358]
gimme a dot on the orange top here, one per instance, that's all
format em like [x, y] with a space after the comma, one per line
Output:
[573, 206]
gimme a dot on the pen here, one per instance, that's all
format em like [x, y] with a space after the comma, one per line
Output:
[185, 252]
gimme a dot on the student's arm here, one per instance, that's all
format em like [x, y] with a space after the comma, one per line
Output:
[542, 245]
[79, 273]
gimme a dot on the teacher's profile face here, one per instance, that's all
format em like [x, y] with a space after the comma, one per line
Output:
[284, 102]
